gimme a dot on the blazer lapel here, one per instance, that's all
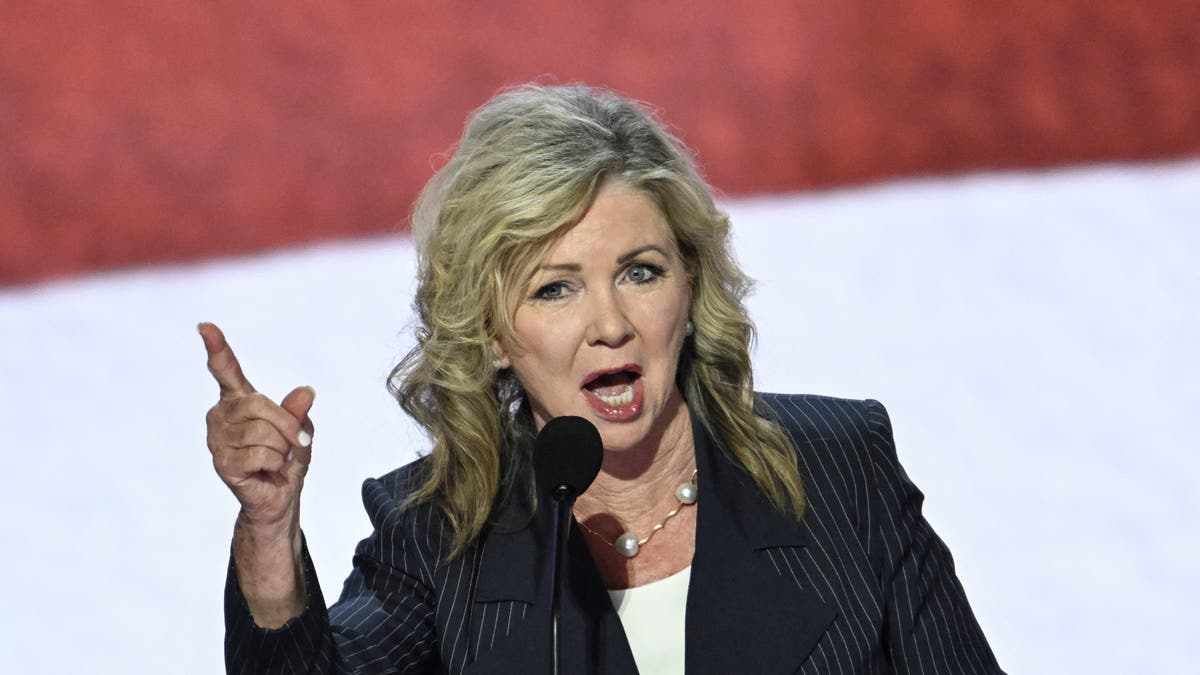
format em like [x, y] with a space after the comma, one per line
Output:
[513, 558]
[747, 610]
[514, 567]
[511, 567]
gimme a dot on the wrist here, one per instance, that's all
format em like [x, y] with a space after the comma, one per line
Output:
[268, 561]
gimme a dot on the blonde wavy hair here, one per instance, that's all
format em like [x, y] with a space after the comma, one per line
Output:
[526, 169]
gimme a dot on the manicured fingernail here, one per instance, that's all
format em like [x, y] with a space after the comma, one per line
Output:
[305, 439]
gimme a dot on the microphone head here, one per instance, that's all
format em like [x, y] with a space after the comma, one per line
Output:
[568, 452]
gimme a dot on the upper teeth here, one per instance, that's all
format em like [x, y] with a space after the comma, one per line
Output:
[623, 398]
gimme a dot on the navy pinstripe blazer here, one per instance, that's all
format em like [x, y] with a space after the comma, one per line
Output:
[861, 585]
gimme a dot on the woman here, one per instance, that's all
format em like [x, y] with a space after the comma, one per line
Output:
[572, 262]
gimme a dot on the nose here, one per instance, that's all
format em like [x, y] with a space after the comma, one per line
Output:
[609, 324]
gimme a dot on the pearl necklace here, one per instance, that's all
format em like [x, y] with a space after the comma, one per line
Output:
[628, 543]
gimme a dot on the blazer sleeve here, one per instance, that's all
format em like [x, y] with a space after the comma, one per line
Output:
[382, 623]
[929, 626]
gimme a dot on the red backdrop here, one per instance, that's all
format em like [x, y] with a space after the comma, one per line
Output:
[136, 132]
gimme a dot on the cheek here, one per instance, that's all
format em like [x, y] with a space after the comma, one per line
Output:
[669, 319]
[537, 351]
[663, 331]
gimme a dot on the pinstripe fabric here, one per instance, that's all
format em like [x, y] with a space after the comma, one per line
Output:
[871, 553]
[861, 585]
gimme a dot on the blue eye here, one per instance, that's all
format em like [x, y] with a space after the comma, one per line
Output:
[552, 291]
[641, 273]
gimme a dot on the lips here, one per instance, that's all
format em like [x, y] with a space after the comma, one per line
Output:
[616, 393]
[613, 387]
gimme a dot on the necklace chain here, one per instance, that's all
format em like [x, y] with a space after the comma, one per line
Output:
[628, 544]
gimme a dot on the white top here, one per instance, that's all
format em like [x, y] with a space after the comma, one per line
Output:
[653, 617]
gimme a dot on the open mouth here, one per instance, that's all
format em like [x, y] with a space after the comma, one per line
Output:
[615, 389]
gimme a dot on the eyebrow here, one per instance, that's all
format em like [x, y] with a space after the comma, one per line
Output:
[640, 250]
[624, 258]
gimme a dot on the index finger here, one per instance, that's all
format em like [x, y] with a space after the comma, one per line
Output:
[222, 363]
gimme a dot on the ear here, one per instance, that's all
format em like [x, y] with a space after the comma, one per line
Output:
[499, 357]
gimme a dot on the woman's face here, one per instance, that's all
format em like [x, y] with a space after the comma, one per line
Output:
[600, 325]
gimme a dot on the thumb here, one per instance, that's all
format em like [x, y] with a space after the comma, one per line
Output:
[299, 401]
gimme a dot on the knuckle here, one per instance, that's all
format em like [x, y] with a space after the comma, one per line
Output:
[256, 405]
[221, 412]
[239, 405]
[221, 464]
[217, 440]
[259, 431]
[243, 435]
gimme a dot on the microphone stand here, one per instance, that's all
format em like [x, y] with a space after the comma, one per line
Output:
[567, 456]
[563, 499]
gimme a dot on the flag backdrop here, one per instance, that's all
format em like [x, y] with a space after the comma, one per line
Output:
[983, 214]
[137, 132]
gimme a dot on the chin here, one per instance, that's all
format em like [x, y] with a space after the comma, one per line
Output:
[623, 436]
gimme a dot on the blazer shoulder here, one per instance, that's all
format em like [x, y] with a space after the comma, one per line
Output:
[385, 497]
[815, 416]
[830, 431]
[400, 481]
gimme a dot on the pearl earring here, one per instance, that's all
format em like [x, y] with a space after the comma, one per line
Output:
[689, 329]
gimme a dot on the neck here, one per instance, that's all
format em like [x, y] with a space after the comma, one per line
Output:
[636, 487]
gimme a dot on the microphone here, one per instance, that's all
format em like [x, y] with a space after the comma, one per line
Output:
[566, 458]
